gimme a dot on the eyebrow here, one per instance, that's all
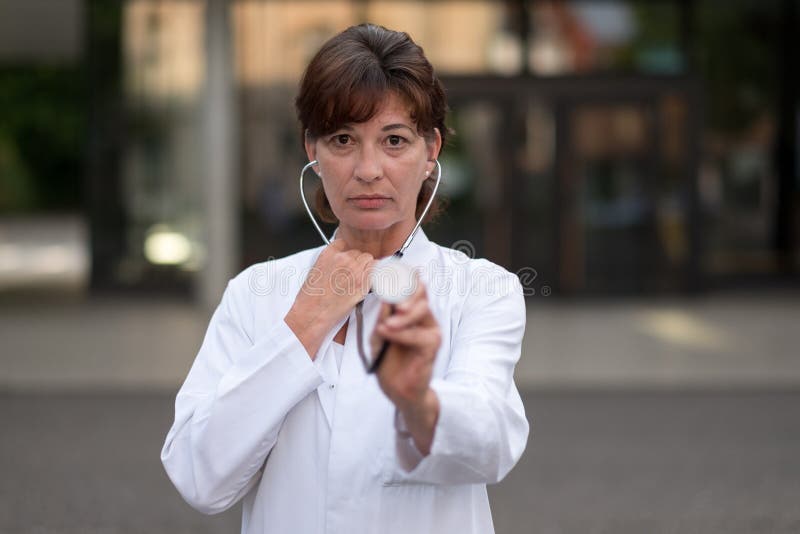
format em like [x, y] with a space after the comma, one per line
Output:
[386, 128]
[396, 126]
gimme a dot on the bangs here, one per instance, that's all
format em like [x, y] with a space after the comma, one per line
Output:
[341, 103]
[348, 105]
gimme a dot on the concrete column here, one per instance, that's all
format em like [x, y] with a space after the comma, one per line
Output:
[219, 161]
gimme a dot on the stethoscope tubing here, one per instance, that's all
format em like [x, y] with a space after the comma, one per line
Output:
[410, 237]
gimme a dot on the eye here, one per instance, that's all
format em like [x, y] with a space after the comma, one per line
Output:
[341, 139]
[395, 140]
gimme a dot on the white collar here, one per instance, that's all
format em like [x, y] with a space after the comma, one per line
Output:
[417, 250]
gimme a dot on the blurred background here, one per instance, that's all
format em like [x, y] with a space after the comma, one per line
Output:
[635, 162]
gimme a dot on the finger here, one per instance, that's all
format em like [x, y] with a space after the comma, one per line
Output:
[367, 269]
[339, 244]
[404, 318]
[364, 257]
[360, 260]
[354, 258]
[363, 263]
[415, 337]
[419, 294]
[355, 255]
[384, 312]
[364, 277]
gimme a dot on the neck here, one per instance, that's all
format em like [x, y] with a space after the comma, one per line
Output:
[379, 243]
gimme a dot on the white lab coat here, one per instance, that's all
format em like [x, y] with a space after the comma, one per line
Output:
[312, 448]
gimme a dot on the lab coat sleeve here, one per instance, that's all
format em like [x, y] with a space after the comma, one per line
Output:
[482, 430]
[231, 406]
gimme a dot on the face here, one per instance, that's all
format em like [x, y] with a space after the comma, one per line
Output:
[372, 171]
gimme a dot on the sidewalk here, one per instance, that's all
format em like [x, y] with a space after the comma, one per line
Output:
[597, 462]
[747, 341]
[715, 341]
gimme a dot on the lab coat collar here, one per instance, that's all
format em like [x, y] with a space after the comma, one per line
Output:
[417, 252]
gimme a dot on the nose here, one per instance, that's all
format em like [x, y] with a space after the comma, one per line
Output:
[368, 167]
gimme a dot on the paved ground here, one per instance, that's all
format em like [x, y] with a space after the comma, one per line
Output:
[649, 416]
[668, 462]
[64, 341]
[604, 462]
[732, 340]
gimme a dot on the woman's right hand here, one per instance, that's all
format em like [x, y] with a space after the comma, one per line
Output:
[336, 283]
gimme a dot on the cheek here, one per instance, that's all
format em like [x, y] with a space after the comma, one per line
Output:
[410, 194]
[331, 178]
[331, 191]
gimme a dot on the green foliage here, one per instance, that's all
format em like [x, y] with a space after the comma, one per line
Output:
[16, 188]
[654, 47]
[733, 44]
[42, 135]
[736, 59]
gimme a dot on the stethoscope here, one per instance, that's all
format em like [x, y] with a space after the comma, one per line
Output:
[397, 267]
[399, 253]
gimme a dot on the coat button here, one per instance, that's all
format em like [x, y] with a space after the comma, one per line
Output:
[332, 386]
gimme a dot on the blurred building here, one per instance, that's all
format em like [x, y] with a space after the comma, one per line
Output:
[602, 147]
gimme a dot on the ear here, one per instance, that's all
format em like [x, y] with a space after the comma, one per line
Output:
[311, 149]
[434, 147]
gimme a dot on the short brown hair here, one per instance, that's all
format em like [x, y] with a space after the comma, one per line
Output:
[347, 79]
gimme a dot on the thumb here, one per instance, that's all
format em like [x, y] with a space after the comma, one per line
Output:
[385, 311]
[339, 244]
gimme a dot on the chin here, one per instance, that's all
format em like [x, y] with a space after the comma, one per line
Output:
[368, 220]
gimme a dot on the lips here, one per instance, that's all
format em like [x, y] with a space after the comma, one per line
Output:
[369, 197]
[369, 201]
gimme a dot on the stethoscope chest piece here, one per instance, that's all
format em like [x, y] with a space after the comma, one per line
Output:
[393, 280]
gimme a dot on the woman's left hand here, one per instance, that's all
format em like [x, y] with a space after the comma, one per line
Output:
[405, 374]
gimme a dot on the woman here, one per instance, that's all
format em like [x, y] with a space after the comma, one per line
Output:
[278, 408]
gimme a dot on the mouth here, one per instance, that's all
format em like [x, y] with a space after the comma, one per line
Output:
[370, 201]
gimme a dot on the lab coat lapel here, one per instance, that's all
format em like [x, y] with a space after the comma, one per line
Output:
[330, 374]
[327, 396]
[353, 373]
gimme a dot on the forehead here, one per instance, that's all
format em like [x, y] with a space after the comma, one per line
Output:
[391, 110]
[363, 106]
